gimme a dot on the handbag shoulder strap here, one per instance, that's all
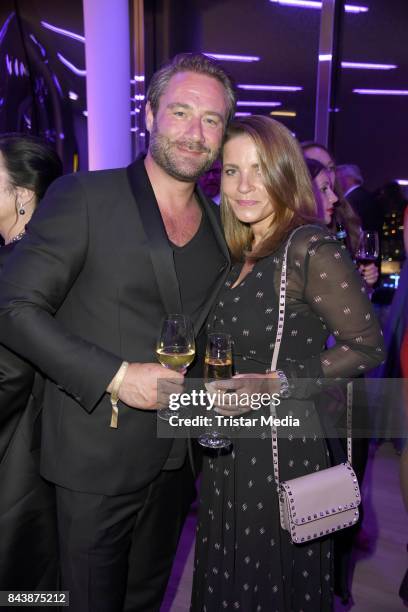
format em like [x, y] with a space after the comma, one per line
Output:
[275, 355]
[282, 301]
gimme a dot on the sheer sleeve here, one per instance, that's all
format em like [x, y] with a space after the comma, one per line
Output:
[334, 290]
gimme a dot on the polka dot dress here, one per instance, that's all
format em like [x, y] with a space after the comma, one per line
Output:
[244, 560]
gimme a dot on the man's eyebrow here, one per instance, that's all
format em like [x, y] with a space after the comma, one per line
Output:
[178, 105]
[215, 113]
[173, 105]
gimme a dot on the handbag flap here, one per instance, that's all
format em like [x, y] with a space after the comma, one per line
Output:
[323, 493]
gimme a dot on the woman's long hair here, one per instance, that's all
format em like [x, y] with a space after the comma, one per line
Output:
[287, 183]
[344, 212]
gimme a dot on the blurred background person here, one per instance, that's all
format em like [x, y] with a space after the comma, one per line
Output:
[344, 221]
[330, 207]
[315, 150]
[210, 182]
[351, 182]
[28, 543]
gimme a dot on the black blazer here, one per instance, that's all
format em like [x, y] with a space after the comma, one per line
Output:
[367, 208]
[28, 542]
[86, 289]
[16, 382]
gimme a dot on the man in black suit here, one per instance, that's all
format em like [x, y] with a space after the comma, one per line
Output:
[108, 254]
[362, 201]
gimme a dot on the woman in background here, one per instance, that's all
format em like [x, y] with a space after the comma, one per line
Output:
[244, 560]
[331, 207]
[343, 216]
[28, 550]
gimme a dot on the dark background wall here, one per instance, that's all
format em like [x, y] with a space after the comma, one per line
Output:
[368, 130]
[285, 40]
[35, 84]
[371, 131]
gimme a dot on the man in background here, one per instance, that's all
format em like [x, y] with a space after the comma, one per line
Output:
[362, 201]
[210, 182]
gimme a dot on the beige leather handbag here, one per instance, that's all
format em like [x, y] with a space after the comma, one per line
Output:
[323, 502]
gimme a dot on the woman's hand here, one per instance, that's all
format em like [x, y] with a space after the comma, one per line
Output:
[369, 273]
[244, 392]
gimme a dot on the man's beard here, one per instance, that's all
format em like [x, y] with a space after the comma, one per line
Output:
[164, 152]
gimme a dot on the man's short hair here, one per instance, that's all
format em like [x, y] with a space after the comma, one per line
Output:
[190, 62]
[352, 171]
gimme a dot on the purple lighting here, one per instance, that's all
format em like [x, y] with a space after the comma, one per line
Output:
[63, 32]
[243, 114]
[233, 58]
[5, 27]
[257, 103]
[71, 66]
[57, 84]
[368, 65]
[382, 92]
[351, 8]
[35, 41]
[402, 182]
[9, 64]
[312, 4]
[270, 87]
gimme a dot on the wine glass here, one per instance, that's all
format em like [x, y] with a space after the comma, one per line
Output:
[217, 366]
[368, 248]
[175, 348]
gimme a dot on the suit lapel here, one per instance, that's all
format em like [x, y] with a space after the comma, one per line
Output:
[223, 272]
[161, 253]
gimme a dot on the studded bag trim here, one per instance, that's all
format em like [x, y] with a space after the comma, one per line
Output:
[325, 501]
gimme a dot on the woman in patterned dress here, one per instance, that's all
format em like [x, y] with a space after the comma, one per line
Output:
[244, 560]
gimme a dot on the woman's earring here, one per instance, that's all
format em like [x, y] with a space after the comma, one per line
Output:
[21, 210]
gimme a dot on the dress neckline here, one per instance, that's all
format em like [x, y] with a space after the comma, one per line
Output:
[232, 288]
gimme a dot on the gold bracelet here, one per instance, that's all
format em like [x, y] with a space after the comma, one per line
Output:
[114, 398]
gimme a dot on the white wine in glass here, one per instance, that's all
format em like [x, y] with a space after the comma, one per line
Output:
[175, 347]
[175, 358]
[217, 366]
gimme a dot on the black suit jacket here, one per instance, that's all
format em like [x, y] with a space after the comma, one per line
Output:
[367, 209]
[16, 382]
[28, 543]
[86, 289]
